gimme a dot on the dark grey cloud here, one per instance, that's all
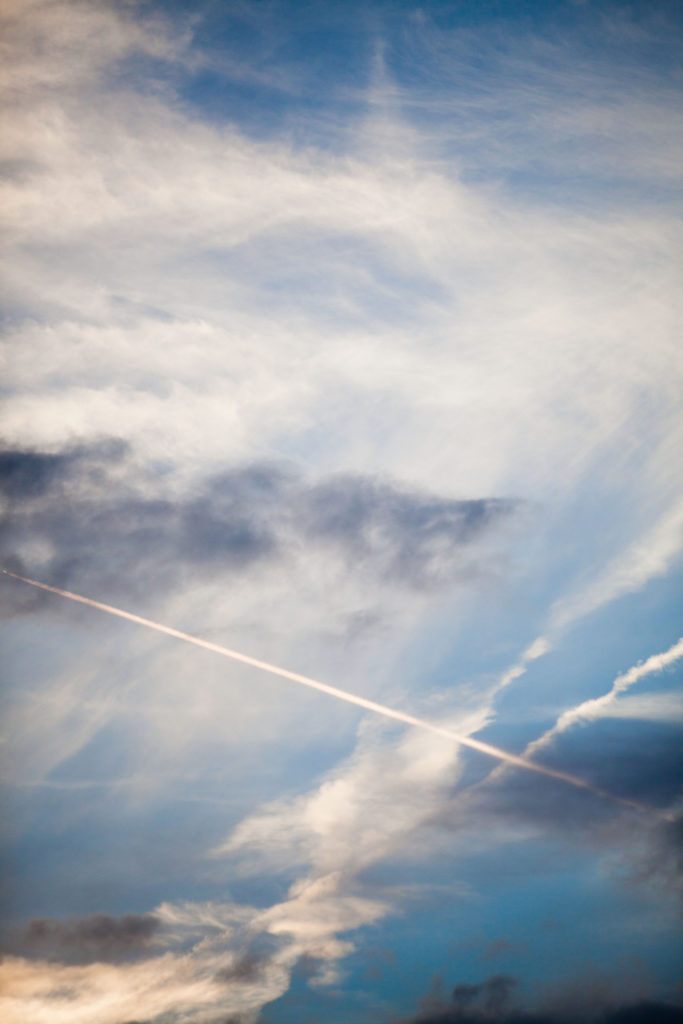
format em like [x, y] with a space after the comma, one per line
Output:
[639, 1013]
[90, 517]
[491, 995]
[412, 538]
[640, 761]
[492, 1002]
[659, 861]
[247, 968]
[86, 939]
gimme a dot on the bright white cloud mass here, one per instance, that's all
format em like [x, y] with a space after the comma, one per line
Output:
[347, 337]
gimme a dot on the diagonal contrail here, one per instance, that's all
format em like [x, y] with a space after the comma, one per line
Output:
[589, 710]
[333, 691]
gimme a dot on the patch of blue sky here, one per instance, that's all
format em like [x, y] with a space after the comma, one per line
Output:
[595, 651]
[543, 898]
[272, 68]
[475, 641]
[85, 852]
[304, 72]
[558, 925]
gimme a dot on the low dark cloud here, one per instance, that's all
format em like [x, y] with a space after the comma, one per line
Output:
[492, 1002]
[27, 475]
[626, 760]
[89, 517]
[636, 759]
[659, 861]
[247, 968]
[633, 760]
[410, 537]
[99, 937]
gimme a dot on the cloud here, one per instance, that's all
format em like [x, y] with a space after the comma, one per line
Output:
[247, 967]
[366, 810]
[72, 515]
[636, 760]
[78, 40]
[208, 967]
[607, 705]
[364, 556]
[100, 937]
[659, 859]
[334, 833]
[187, 287]
[338, 830]
[597, 707]
[492, 1001]
[27, 475]
[340, 827]
[176, 985]
[412, 536]
[654, 707]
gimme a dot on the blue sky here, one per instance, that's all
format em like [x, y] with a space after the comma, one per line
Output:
[344, 336]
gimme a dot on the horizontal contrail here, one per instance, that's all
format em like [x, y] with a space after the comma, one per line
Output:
[333, 691]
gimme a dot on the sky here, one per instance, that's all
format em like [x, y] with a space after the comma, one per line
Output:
[344, 337]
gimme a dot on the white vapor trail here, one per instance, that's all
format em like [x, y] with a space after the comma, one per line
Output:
[333, 691]
[588, 710]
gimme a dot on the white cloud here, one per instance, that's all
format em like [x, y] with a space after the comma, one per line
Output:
[517, 319]
[35, 992]
[646, 707]
[52, 44]
[365, 810]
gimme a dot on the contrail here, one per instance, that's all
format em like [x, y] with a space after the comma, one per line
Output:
[589, 710]
[333, 691]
